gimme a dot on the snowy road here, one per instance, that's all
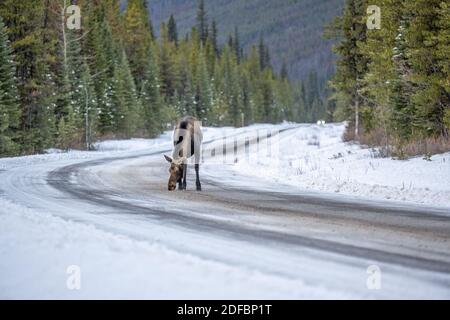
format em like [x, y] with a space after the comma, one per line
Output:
[242, 237]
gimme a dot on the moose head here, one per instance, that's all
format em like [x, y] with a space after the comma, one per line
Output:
[176, 171]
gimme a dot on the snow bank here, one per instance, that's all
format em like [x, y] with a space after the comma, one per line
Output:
[132, 144]
[313, 157]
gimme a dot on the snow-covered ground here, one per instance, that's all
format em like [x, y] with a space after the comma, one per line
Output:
[315, 158]
[38, 250]
[122, 256]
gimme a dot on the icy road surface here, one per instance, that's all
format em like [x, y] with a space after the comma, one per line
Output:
[319, 219]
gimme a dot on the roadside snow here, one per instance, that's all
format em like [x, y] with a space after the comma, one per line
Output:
[37, 251]
[132, 144]
[315, 158]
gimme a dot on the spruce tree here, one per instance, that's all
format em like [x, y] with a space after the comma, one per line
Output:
[443, 60]
[102, 56]
[129, 114]
[137, 37]
[214, 35]
[204, 95]
[422, 35]
[166, 63]
[151, 99]
[9, 105]
[351, 65]
[262, 53]
[202, 21]
[237, 45]
[34, 56]
[172, 30]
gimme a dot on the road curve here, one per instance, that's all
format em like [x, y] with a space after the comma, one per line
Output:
[419, 239]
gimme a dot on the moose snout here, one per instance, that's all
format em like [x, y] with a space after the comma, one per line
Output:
[172, 187]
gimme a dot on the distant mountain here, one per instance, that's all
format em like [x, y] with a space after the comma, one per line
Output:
[292, 28]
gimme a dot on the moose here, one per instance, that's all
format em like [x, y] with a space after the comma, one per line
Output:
[187, 141]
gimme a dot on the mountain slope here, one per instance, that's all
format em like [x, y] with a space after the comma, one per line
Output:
[292, 28]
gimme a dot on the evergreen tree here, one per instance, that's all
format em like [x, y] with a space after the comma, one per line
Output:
[9, 106]
[230, 85]
[237, 45]
[422, 35]
[172, 30]
[102, 56]
[443, 59]
[35, 78]
[284, 74]
[214, 37]
[300, 106]
[352, 63]
[262, 53]
[137, 37]
[151, 99]
[204, 95]
[166, 63]
[402, 113]
[129, 119]
[202, 21]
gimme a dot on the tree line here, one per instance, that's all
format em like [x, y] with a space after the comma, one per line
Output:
[65, 88]
[393, 83]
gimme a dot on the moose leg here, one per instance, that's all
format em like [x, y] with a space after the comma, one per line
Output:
[185, 166]
[199, 185]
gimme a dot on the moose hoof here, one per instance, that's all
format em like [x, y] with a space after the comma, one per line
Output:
[199, 188]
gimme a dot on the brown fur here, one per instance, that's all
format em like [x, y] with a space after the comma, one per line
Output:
[187, 139]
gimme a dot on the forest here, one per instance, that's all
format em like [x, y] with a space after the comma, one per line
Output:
[120, 76]
[292, 29]
[114, 78]
[393, 83]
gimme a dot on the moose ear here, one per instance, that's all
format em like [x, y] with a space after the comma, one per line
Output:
[169, 159]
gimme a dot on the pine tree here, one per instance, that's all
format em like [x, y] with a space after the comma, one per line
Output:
[151, 99]
[230, 85]
[72, 96]
[137, 37]
[35, 77]
[166, 63]
[382, 74]
[202, 21]
[300, 103]
[102, 56]
[246, 98]
[89, 107]
[422, 35]
[214, 37]
[262, 53]
[443, 60]
[352, 64]
[267, 97]
[172, 30]
[284, 74]
[237, 45]
[401, 89]
[129, 119]
[204, 95]
[9, 106]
